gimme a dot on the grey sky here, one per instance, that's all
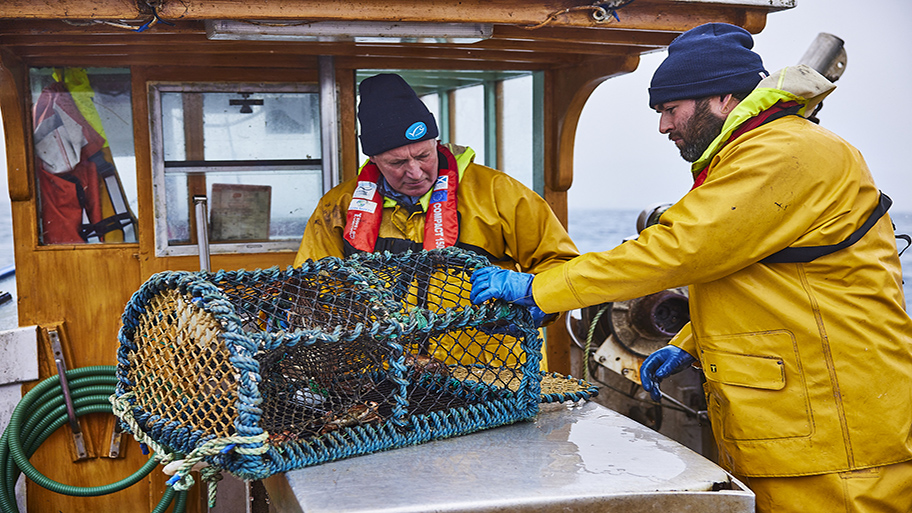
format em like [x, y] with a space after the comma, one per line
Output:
[621, 160]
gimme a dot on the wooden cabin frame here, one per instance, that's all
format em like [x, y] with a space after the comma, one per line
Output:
[80, 291]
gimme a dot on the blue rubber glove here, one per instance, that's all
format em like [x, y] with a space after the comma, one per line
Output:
[661, 364]
[538, 317]
[514, 287]
[496, 283]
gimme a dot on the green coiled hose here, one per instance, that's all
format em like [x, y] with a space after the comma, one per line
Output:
[41, 412]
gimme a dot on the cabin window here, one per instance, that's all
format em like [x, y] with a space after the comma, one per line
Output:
[252, 150]
[520, 128]
[84, 159]
[496, 113]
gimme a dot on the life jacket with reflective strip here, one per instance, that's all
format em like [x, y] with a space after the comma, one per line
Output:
[804, 253]
[365, 211]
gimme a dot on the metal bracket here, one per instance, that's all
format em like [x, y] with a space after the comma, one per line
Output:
[78, 440]
[116, 436]
[202, 230]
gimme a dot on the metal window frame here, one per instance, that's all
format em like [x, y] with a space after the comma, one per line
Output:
[159, 204]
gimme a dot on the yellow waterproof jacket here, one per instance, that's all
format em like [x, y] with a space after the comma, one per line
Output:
[499, 218]
[808, 365]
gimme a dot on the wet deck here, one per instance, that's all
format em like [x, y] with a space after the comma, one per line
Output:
[571, 458]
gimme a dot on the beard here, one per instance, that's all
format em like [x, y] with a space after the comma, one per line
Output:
[701, 129]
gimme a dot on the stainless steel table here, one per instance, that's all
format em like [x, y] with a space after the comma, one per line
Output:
[571, 458]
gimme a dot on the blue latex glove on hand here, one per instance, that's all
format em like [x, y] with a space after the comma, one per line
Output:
[514, 287]
[496, 283]
[661, 364]
[538, 317]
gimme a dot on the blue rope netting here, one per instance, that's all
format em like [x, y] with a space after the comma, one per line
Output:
[266, 371]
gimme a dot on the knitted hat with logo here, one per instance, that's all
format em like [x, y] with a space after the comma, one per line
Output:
[392, 115]
[714, 58]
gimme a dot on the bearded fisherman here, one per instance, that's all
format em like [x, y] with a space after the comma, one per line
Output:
[414, 193]
[797, 312]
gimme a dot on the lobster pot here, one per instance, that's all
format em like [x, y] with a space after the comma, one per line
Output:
[267, 371]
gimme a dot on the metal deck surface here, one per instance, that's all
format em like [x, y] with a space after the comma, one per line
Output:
[581, 457]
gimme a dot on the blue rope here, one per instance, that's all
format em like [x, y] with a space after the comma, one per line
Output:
[390, 323]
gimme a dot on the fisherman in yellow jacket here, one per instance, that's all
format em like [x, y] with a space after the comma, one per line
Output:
[797, 312]
[414, 193]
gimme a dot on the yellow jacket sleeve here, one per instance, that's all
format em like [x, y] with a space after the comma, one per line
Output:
[761, 196]
[323, 234]
[684, 340]
[512, 224]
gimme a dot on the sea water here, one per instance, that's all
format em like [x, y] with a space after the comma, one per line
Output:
[603, 229]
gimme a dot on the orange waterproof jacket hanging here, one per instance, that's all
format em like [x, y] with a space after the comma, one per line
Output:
[67, 177]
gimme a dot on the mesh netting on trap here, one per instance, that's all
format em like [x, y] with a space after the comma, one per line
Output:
[267, 371]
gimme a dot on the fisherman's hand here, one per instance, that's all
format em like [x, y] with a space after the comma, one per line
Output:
[661, 364]
[496, 283]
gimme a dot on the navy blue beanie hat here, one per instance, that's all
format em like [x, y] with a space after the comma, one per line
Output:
[714, 58]
[392, 115]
